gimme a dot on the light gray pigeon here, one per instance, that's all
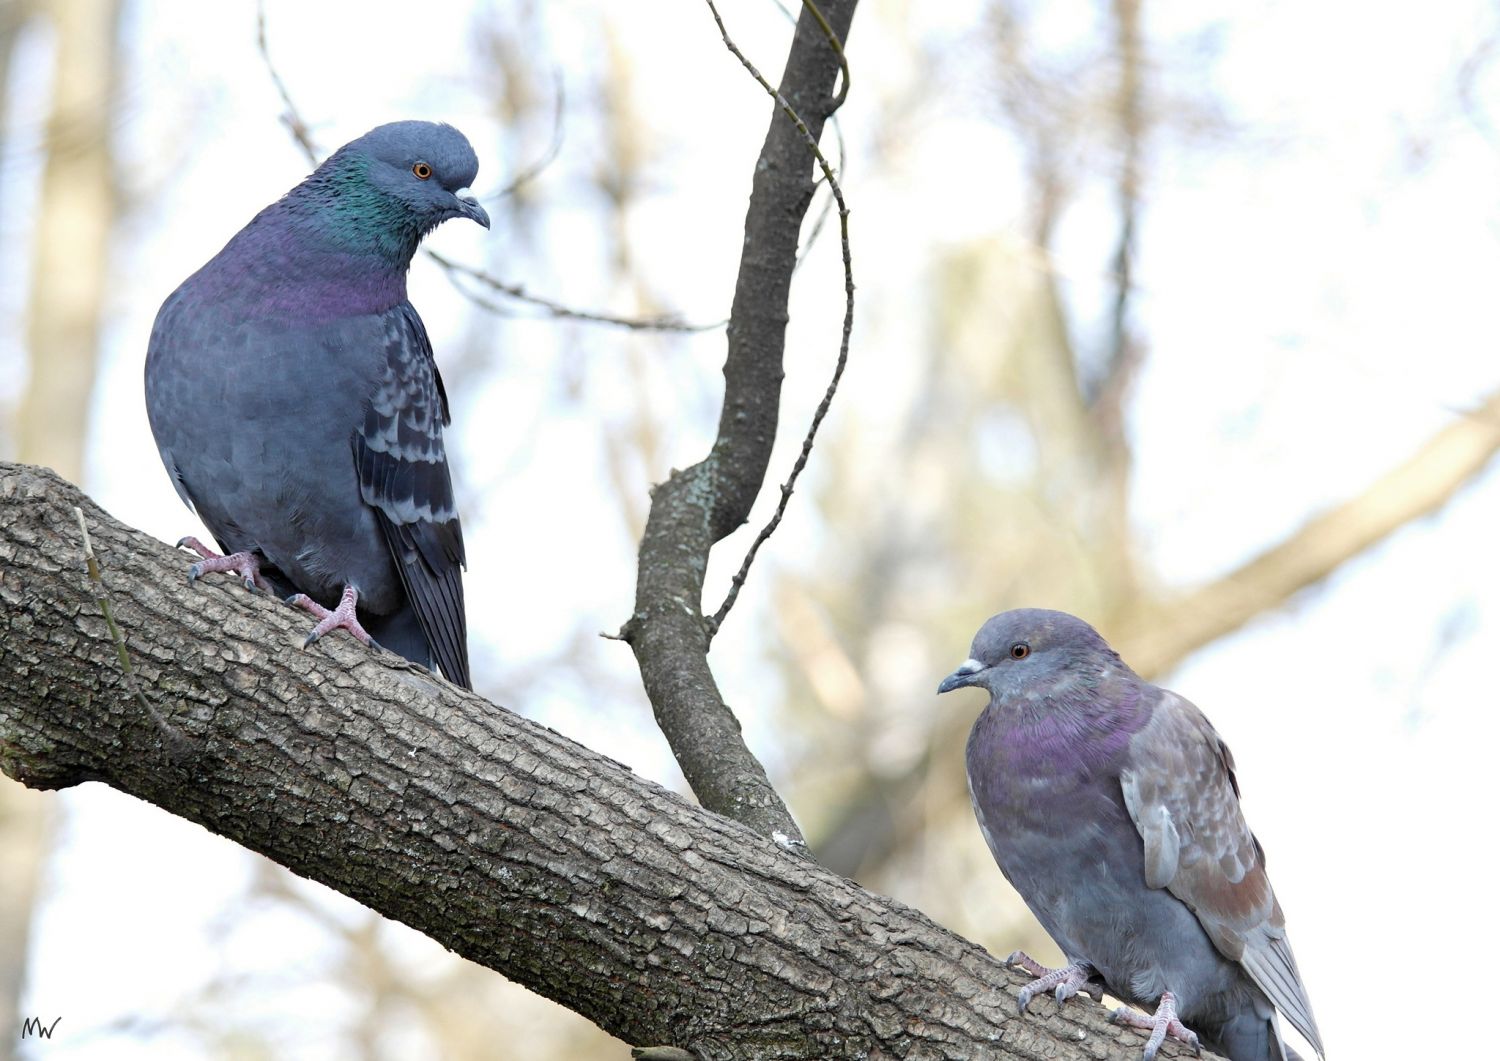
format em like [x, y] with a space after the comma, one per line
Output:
[297, 407]
[1112, 807]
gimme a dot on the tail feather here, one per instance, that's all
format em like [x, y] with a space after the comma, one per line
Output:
[1251, 1037]
[402, 633]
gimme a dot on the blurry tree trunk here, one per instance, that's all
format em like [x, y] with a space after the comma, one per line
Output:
[12, 14]
[21, 821]
[75, 216]
[25, 821]
[1154, 633]
[1107, 393]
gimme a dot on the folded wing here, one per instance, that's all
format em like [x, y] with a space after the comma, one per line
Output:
[403, 476]
[1183, 797]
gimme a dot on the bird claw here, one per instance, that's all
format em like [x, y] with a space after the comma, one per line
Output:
[1161, 1024]
[343, 617]
[244, 564]
[1064, 983]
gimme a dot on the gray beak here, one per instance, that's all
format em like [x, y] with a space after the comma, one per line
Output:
[469, 207]
[967, 671]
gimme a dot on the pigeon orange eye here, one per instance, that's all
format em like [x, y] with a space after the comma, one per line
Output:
[422, 171]
[1020, 650]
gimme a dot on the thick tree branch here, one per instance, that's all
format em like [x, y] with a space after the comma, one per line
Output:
[664, 923]
[1159, 632]
[702, 504]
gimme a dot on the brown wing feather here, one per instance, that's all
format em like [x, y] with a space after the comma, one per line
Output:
[1184, 799]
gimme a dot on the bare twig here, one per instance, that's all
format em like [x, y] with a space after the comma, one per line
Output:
[526, 174]
[550, 307]
[833, 41]
[132, 683]
[1470, 73]
[1131, 128]
[556, 309]
[298, 127]
[290, 117]
[717, 620]
[828, 204]
[843, 155]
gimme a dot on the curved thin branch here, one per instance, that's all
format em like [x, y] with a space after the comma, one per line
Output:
[302, 134]
[532, 170]
[554, 309]
[838, 131]
[663, 923]
[290, 116]
[717, 620]
[834, 41]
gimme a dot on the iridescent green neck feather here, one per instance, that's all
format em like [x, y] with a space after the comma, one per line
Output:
[340, 203]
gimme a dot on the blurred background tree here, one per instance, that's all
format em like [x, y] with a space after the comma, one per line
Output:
[1140, 293]
[75, 220]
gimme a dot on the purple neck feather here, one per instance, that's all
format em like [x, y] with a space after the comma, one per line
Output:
[279, 264]
[1085, 727]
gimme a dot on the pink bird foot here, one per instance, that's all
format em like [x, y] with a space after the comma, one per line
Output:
[243, 564]
[1162, 1024]
[1067, 981]
[341, 618]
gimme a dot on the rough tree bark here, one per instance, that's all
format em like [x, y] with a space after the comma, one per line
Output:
[660, 921]
[701, 505]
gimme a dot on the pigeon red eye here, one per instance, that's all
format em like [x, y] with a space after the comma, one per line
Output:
[1020, 650]
[422, 170]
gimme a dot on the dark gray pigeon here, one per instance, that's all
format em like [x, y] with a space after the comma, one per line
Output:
[1112, 807]
[294, 398]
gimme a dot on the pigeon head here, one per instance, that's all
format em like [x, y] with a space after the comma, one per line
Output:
[1029, 651]
[425, 167]
[392, 186]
